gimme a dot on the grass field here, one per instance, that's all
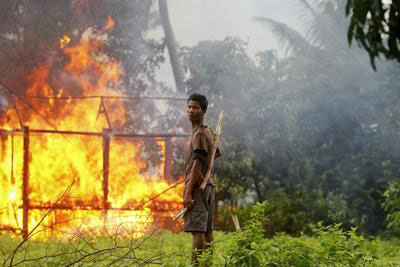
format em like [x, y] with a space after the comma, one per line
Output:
[331, 247]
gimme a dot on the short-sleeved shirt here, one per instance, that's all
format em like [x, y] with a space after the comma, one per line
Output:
[200, 147]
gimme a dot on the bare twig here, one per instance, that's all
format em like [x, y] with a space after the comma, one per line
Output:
[94, 253]
[86, 252]
[12, 255]
[159, 194]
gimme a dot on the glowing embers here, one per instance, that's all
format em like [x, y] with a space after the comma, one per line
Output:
[64, 41]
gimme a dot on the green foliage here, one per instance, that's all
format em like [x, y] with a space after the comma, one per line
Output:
[334, 247]
[330, 246]
[246, 249]
[342, 248]
[392, 205]
[293, 214]
[376, 26]
[318, 124]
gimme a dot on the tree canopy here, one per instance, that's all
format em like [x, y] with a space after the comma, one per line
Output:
[376, 26]
[306, 132]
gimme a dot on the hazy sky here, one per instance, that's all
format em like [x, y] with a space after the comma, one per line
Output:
[197, 20]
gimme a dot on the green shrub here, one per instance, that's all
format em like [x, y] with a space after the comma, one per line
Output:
[293, 213]
[343, 248]
[329, 246]
[246, 249]
[392, 206]
[332, 246]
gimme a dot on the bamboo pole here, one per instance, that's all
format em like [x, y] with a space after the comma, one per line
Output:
[25, 183]
[106, 167]
[168, 160]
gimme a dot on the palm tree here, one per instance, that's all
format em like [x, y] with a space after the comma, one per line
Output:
[324, 23]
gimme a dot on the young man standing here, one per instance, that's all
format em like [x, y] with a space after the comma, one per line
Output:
[200, 203]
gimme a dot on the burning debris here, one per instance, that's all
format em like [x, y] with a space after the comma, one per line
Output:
[84, 109]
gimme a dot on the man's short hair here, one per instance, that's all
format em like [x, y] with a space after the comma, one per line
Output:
[201, 99]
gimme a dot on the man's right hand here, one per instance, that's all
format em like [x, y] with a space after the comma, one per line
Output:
[188, 201]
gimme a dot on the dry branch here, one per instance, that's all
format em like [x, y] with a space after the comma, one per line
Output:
[12, 255]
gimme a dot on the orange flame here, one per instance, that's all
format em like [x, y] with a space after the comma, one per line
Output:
[64, 41]
[110, 23]
[56, 160]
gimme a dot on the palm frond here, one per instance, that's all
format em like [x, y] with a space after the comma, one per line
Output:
[310, 17]
[333, 23]
[292, 41]
[308, 6]
[321, 20]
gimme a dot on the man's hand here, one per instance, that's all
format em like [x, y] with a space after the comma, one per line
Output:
[194, 176]
[188, 201]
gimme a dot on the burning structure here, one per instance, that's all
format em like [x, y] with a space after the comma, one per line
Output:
[51, 138]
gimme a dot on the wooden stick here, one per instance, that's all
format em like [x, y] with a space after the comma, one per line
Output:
[181, 213]
[235, 221]
[214, 150]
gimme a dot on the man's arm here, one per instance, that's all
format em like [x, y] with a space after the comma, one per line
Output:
[193, 179]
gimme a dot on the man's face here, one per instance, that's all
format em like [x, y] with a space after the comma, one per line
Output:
[194, 111]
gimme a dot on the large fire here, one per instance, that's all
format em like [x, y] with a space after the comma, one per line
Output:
[59, 160]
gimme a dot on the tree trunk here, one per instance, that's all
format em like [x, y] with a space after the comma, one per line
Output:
[171, 45]
[260, 196]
